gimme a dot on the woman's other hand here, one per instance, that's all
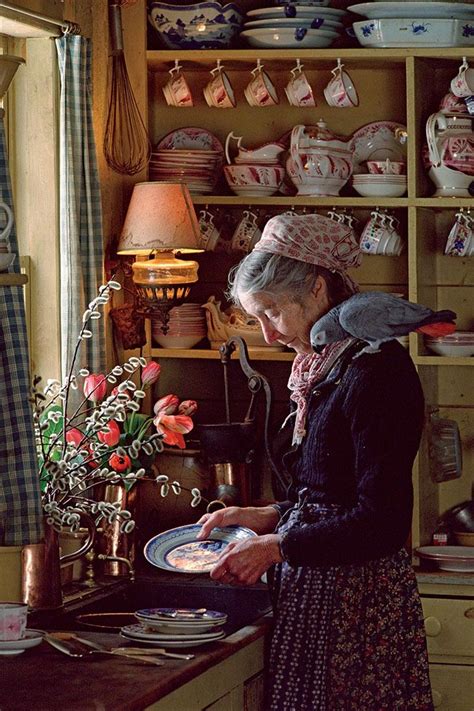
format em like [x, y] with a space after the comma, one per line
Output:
[261, 519]
[244, 563]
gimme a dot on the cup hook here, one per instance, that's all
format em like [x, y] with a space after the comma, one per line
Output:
[259, 65]
[218, 68]
[339, 67]
[464, 65]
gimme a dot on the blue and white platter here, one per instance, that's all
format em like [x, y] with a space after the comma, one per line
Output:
[414, 10]
[167, 620]
[179, 551]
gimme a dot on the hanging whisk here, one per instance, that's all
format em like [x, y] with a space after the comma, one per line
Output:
[127, 146]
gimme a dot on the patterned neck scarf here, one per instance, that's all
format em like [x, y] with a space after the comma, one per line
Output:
[309, 369]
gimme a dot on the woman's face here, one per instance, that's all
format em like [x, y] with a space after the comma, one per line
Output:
[285, 321]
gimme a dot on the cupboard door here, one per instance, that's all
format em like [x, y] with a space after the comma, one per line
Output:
[449, 626]
[452, 687]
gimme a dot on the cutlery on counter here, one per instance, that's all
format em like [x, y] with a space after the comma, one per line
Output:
[73, 646]
[150, 651]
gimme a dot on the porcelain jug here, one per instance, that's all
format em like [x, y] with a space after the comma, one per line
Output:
[268, 153]
[450, 153]
[320, 162]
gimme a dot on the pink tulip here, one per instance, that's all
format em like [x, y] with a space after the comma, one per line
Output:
[167, 405]
[95, 387]
[188, 407]
[150, 373]
[74, 436]
[173, 427]
[111, 435]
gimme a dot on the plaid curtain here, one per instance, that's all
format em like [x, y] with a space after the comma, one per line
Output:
[20, 499]
[81, 236]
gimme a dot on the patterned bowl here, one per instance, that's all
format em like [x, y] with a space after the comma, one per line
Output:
[204, 25]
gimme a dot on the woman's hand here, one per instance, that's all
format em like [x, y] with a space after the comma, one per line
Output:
[261, 519]
[244, 563]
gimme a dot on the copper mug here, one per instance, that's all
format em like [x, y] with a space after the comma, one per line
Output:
[41, 566]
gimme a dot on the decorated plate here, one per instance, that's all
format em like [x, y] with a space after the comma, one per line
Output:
[179, 551]
[454, 558]
[145, 634]
[296, 12]
[290, 38]
[414, 10]
[174, 643]
[191, 138]
[12, 647]
[377, 141]
[178, 622]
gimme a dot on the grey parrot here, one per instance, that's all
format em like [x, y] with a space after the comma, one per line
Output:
[376, 317]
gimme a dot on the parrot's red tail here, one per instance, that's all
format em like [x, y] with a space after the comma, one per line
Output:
[437, 329]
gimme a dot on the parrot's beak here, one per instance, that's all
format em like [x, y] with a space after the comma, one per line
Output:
[318, 349]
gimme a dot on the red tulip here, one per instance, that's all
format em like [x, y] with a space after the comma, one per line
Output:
[110, 435]
[173, 427]
[95, 387]
[167, 405]
[74, 436]
[188, 407]
[120, 462]
[151, 373]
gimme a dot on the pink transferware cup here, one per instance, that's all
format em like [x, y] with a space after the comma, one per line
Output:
[260, 90]
[219, 92]
[176, 89]
[298, 89]
[12, 621]
[463, 83]
[386, 167]
[340, 91]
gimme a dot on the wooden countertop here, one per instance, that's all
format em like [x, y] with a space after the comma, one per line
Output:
[45, 679]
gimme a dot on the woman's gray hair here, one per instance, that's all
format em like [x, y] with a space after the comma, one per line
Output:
[278, 275]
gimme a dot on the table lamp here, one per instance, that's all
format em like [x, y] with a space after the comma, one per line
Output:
[161, 221]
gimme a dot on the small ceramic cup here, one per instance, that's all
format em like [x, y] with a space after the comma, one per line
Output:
[460, 237]
[12, 620]
[209, 233]
[246, 234]
[218, 92]
[260, 90]
[176, 89]
[463, 83]
[298, 89]
[340, 92]
[386, 167]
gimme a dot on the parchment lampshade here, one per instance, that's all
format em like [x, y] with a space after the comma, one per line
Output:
[161, 220]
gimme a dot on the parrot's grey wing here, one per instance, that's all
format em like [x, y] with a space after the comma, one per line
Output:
[375, 315]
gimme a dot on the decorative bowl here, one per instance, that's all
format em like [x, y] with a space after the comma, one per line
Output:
[266, 177]
[393, 32]
[203, 25]
[371, 185]
[453, 350]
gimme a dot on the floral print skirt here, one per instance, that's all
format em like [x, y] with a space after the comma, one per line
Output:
[347, 637]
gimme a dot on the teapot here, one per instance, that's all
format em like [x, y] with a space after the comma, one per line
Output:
[320, 162]
[267, 153]
[449, 153]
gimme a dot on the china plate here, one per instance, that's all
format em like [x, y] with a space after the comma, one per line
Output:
[452, 558]
[12, 647]
[176, 643]
[181, 614]
[376, 141]
[288, 38]
[414, 10]
[179, 551]
[190, 138]
[296, 11]
[146, 635]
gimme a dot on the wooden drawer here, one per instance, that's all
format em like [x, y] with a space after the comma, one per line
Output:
[452, 687]
[449, 626]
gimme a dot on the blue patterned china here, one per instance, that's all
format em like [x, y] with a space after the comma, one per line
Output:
[178, 550]
[155, 619]
[203, 25]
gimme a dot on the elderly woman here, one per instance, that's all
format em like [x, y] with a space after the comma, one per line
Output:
[348, 628]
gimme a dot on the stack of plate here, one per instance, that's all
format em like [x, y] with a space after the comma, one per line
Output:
[199, 169]
[415, 24]
[459, 344]
[186, 327]
[293, 25]
[176, 627]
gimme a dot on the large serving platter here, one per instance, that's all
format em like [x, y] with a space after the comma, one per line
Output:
[414, 10]
[458, 559]
[296, 11]
[190, 138]
[178, 550]
[289, 38]
[432, 32]
[309, 23]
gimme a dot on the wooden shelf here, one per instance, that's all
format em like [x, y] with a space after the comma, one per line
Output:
[203, 354]
[301, 200]
[442, 360]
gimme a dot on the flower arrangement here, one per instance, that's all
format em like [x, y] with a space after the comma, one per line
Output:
[105, 438]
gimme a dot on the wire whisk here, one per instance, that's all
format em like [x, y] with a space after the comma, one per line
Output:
[127, 146]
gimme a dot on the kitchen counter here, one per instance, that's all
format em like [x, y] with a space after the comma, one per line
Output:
[44, 679]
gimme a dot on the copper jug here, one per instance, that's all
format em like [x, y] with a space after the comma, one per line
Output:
[41, 567]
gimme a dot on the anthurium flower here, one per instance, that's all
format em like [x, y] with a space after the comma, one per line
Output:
[172, 427]
[187, 407]
[74, 436]
[110, 435]
[167, 405]
[151, 373]
[95, 387]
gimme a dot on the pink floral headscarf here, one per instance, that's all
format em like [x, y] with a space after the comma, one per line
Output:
[314, 239]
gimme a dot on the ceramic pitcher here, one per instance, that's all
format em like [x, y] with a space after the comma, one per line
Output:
[450, 153]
